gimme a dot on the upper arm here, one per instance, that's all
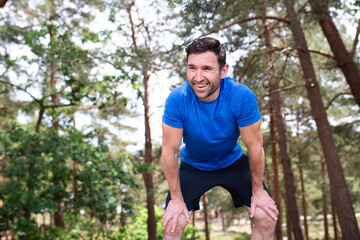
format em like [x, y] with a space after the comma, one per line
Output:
[251, 135]
[171, 138]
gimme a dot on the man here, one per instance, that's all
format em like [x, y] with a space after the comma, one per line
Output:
[209, 112]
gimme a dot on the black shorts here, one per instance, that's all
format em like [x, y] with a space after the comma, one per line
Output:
[235, 178]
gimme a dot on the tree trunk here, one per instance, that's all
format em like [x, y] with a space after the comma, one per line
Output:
[148, 177]
[193, 224]
[339, 190]
[38, 123]
[324, 197]
[301, 171]
[223, 222]
[343, 57]
[29, 186]
[150, 202]
[273, 135]
[58, 215]
[356, 40]
[2, 3]
[288, 222]
[336, 232]
[290, 186]
[75, 169]
[303, 198]
[207, 233]
[275, 166]
[1, 181]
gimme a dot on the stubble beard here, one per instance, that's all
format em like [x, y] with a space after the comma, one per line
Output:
[212, 91]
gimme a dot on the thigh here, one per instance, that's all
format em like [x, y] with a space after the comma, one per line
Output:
[237, 180]
[194, 183]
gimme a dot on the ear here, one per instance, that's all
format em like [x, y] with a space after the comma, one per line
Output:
[224, 71]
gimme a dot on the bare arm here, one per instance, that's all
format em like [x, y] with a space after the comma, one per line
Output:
[171, 141]
[253, 140]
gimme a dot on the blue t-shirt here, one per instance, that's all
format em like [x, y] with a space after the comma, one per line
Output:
[211, 129]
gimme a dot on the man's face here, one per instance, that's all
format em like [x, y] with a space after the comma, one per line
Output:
[204, 75]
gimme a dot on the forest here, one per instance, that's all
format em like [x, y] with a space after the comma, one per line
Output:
[82, 91]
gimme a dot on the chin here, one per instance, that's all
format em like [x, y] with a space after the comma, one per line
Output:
[201, 96]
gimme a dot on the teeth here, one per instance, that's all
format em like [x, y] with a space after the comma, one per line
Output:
[202, 85]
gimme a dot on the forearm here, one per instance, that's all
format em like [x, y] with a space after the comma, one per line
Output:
[171, 171]
[257, 165]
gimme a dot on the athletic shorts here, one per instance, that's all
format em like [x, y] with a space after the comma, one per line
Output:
[235, 178]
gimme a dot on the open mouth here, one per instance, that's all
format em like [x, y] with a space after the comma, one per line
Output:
[201, 86]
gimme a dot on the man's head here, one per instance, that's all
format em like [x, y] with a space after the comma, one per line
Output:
[208, 44]
[205, 67]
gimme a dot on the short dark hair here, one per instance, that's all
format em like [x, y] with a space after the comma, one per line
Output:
[208, 44]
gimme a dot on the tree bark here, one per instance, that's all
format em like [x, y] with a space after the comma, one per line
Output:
[193, 223]
[288, 222]
[336, 231]
[339, 189]
[207, 233]
[148, 177]
[303, 198]
[58, 215]
[74, 186]
[290, 186]
[275, 159]
[150, 202]
[38, 122]
[343, 57]
[324, 197]
[29, 186]
[276, 179]
[2, 3]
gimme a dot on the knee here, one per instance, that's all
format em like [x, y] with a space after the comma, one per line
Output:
[264, 221]
[177, 234]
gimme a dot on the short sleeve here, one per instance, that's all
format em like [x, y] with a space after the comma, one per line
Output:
[173, 110]
[248, 111]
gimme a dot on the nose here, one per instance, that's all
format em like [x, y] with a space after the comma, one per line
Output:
[198, 75]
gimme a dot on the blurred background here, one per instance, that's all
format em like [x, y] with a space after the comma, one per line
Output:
[82, 90]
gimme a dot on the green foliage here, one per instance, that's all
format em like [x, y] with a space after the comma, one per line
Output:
[9, 32]
[61, 63]
[224, 205]
[143, 167]
[347, 138]
[137, 228]
[38, 172]
[235, 236]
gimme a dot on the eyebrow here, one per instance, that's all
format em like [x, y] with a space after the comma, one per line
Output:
[206, 66]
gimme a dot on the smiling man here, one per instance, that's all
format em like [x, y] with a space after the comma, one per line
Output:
[208, 113]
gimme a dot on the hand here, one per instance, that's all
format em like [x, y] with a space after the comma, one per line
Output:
[262, 200]
[173, 211]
